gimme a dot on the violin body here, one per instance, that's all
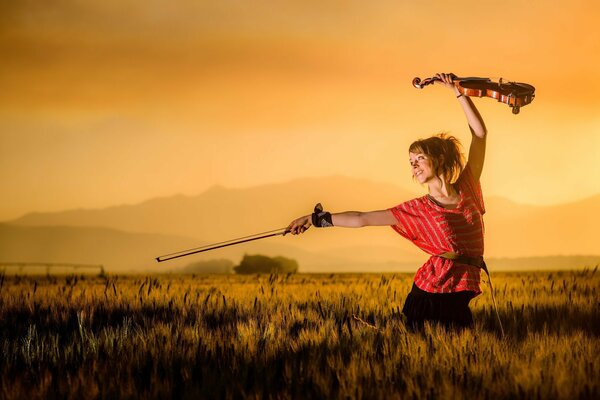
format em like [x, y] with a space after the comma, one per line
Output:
[514, 94]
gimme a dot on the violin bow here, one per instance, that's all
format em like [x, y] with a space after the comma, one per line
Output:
[219, 245]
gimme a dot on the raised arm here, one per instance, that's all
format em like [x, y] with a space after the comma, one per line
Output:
[347, 219]
[476, 125]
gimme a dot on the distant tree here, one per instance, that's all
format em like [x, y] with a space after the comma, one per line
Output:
[220, 266]
[259, 264]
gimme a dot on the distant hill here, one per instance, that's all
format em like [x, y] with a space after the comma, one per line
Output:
[516, 230]
[512, 230]
[116, 250]
[222, 213]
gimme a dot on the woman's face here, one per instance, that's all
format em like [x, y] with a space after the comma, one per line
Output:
[421, 166]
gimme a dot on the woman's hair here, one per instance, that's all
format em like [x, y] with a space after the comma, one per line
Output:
[445, 153]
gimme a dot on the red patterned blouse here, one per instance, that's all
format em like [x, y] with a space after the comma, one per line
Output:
[436, 230]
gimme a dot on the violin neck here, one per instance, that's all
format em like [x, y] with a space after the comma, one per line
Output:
[419, 84]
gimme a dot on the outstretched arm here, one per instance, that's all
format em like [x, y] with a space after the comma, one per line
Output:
[347, 219]
[476, 125]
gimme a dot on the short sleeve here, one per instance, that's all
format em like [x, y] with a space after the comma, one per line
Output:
[405, 217]
[466, 183]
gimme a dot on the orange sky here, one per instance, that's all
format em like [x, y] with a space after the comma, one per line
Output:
[120, 101]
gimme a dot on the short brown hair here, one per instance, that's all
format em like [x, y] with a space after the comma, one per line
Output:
[445, 152]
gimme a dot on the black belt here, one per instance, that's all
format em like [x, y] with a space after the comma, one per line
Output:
[476, 261]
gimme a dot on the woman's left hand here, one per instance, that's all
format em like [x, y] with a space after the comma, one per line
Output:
[447, 80]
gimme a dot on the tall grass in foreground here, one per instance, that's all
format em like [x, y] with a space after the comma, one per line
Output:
[292, 336]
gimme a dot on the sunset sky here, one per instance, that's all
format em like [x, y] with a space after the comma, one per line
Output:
[118, 101]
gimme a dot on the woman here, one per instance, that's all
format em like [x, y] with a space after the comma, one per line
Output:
[446, 223]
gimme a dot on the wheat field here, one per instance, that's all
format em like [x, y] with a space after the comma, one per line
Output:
[292, 336]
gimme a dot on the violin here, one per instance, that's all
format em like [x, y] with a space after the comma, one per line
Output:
[515, 94]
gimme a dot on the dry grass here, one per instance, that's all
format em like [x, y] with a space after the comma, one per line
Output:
[292, 336]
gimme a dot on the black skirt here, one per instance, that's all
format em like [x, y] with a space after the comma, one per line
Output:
[448, 309]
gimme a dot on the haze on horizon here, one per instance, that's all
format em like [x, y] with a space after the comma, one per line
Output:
[116, 102]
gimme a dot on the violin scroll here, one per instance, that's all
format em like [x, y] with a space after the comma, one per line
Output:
[420, 84]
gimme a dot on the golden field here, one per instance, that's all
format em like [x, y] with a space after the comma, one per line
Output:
[292, 336]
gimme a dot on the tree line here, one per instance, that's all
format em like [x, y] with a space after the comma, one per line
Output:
[250, 264]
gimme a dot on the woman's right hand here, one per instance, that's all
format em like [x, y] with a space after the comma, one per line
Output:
[299, 225]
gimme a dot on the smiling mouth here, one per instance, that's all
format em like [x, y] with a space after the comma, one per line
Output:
[417, 173]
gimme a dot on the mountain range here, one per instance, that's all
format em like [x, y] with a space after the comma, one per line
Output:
[129, 237]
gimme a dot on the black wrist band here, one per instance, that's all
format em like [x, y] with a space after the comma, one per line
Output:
[459, 95]
[320, 218]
